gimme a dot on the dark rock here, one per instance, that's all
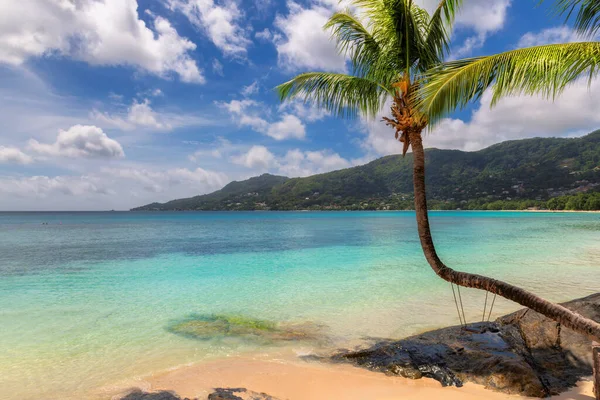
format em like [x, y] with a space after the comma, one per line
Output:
[521, 353]
[163, 395]
[238, 394]
[559, 355]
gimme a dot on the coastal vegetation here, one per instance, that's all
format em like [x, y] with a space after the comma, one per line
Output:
[545, 173]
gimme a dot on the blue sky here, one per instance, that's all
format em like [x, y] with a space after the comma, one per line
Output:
[110, 104]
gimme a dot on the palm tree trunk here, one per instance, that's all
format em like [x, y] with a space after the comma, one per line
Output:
[556, 312]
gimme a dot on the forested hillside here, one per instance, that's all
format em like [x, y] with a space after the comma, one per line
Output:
[511, 175]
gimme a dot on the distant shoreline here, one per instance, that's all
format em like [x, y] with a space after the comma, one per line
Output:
[552, 211]
[320, 211]
[281, 211]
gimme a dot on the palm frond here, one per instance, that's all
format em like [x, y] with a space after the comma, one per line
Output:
[354, 40]
[438, 31]
[586, 12]
[343, 95]
[400, 29]
[544, 70]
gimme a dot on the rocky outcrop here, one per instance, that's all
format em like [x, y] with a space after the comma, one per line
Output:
[218, 394]
[238, 394]
[521, 353]
[162, 395]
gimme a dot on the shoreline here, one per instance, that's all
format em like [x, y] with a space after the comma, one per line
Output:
[339, 211]
[272, 211]
[288, 377]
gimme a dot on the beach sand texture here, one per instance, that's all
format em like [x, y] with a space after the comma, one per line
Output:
[300, 380]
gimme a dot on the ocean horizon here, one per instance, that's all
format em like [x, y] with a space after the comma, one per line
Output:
[89, 299]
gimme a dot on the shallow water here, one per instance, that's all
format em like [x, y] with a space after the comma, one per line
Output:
[86, 300]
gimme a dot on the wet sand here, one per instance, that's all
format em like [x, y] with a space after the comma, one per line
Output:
[302, 380]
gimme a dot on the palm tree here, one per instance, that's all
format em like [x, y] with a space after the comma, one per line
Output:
[545, 70]
[400, 48]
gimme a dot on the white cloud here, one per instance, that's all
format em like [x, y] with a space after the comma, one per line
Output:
[238, 106]
[80, 141]
[199, 154]
[255, 122]
[217, 67]
[245, 113]
[305, 111]
[105, 32]
[302, 43]
[106, 119]
[141, 114]
[559, 34]
[250, 89]
[25, 191]
[13, 155]
[219, 149]
[484, 17]
[158, 181]
[115, 97]
[265, 35]
[248, 113]
[470, 44]
[220, 22]
[326, 161]
[293, 163]
[107, 188]
[289, 127]
[305, 163]
[258, 157]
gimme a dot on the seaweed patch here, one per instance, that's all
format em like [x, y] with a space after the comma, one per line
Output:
[204, 327]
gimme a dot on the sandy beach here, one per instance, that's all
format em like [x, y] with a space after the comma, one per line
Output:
[294, 379]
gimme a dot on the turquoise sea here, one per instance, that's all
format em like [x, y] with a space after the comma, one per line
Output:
[86, 298]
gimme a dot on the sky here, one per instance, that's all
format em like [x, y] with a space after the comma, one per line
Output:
[112, 104]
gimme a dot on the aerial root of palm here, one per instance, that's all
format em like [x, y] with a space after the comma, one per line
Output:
[556, 312]
[596, 368]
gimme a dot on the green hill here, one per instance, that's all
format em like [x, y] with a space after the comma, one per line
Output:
[513, 174]
[248, 192]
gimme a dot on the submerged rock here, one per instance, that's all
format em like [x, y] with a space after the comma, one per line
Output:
[521, 353]
[238, 394]
[213, 326]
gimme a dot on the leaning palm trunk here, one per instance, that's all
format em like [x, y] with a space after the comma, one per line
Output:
[558, 313]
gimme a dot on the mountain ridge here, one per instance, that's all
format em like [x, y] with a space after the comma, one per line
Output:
[536, 169]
